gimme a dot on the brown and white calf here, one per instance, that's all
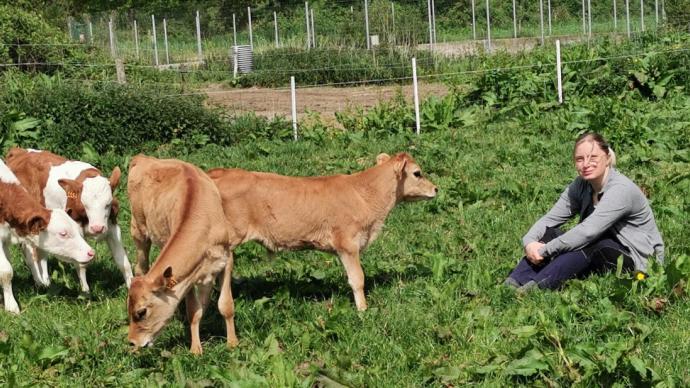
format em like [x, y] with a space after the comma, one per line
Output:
[25, 220]
[341, 214]
[176, 206]
[79, 189]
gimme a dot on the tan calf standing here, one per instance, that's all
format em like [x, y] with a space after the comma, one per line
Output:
[176, 206]
[341, 214]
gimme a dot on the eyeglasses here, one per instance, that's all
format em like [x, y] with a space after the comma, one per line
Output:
[589, 159]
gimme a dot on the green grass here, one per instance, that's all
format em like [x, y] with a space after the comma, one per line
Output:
[438, 312]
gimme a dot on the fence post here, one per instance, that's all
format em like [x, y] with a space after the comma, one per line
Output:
[393, 16]
[415, 92]
[656, 12]
[433, 20]
[474, 23]
[589, 16]
[306, 16]
[627, 16]
[642, 14]
[541, 20]
[584, 19]
[90, 31]
[294, 107]
[198, 37]
[275, 24]
[251, 32]
[549, 7]
[488, 26]
[136, 39]
[234, 30]
[558, 71]
[366, 23]
[431, 33]
[615, 17]
[113, 51]
[165, 41]
[514, 22]
[120, 71]
[313, 31]
[69, 27]
[155, 42]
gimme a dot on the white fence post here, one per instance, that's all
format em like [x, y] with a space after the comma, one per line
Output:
[251, 33]
[198, 37]
[91, 31]
[488, 26]
[234, 30]
[589, 16]
[433, 20]
[431, 32]
[366, 23]
[549, 7]
[136, 39]
[155, 42]
[306, 16]
[656, 12]
[165, 40]
[514, 21]
[113, 52]
[541, 20]
[474, 23]
[313, 31]
[615, 17]
[584, 19]
[642, 14]
[294, 107]
[393, 17]
[275, 24]
[627, 16]
[69, 27]
[415, 92]
[558, 71]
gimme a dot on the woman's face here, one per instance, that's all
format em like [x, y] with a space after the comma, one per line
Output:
[591, 161]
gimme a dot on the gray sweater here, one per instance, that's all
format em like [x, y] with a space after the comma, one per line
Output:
[622, 210]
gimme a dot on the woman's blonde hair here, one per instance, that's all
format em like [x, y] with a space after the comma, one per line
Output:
[601, 142]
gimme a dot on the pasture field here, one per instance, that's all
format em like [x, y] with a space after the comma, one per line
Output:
[438, 312]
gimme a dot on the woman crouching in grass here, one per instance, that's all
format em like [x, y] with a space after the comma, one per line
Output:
[615, 220]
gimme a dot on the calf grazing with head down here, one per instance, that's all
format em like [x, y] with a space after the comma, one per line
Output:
[79, 189]
[23, 219]
[176, 206]
[341, 214]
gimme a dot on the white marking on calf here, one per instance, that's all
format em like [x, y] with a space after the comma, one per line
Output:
[6, 175]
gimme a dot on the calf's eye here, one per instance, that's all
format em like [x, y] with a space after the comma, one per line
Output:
[418, 174]
[140, 314]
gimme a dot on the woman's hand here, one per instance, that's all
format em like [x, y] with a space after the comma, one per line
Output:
[532, 252]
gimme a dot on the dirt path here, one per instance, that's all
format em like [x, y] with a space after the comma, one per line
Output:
[324, 100]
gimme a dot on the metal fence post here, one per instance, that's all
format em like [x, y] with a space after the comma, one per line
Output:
[589, 16]
[306, 16]
[234, 30]
[488, 26]
[251, 33]
[155, 42]
[541, 20]
[294, 107]
[558, 71]
[313, 31]
[198, 37]
[366, 23]
[275, 24]
[415, 92]
[136, 39]
[165, 41]
[514, 21]
[615, 17]
[474, 23]
[627, 16]
[642, 15]
[549, 7]
[113, 51]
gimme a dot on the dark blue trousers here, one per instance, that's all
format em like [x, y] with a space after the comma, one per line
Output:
[599, 256]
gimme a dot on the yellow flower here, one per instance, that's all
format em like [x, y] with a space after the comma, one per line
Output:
[640, 276]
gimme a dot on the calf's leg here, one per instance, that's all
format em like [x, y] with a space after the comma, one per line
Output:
[143, 245]
[196, 302]
[6, 275]
[37, 264]
[226, 304]
[114, 240]
[355, 275]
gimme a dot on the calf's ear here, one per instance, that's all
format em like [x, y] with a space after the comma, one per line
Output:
[382, 158]
[115, 178]
[36, 224]
[114, 210]
[167, 281]
[71, 187]
[399, 167]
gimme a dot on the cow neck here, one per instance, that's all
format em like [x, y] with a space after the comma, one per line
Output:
[380, 188]
[188, 243]
[17, 208]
